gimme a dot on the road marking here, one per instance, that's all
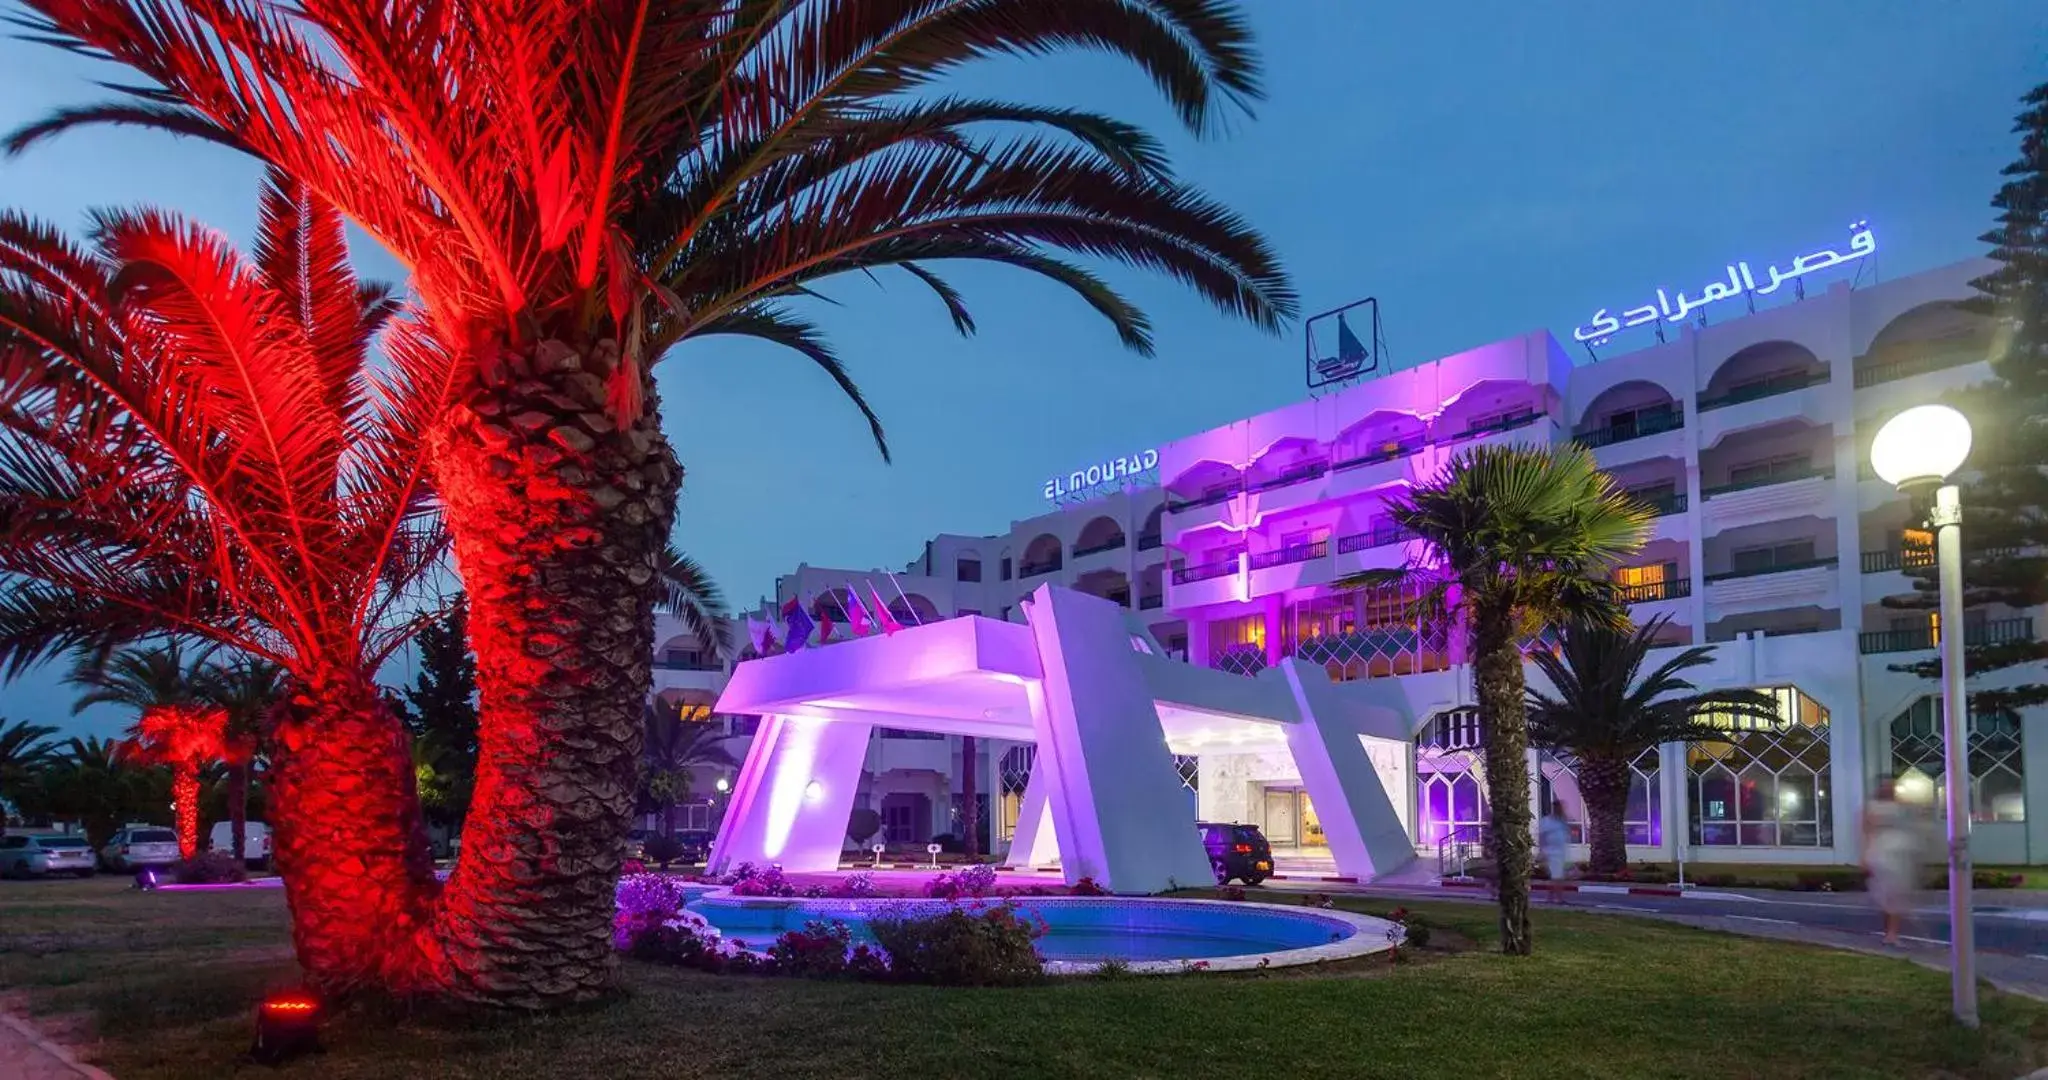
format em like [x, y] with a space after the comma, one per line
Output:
[2036, 956]
[1921, 940]
[1759, 918]
[1626, 907]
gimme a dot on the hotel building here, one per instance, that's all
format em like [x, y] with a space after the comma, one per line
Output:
[1773, 543]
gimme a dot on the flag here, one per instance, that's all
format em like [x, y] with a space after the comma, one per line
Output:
[882, 616]
[824, 619]
[796, 625]
[757, 634]
[1350, 350]
[856, 613]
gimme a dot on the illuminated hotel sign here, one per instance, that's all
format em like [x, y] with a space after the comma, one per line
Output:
[1741, 282]
[1103, 478]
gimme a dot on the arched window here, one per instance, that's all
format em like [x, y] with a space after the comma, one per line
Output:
[1768, 783]
[1998, 778]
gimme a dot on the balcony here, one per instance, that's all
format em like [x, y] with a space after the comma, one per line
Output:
[1649, 592]
[1779, 568]
[1595, 438]
[1884, 371]
[1147, 603]
[1094, 549]
[1763, 388]
[1033, 569]
[1381, 536]
[1390, 452]
[1668, 504]
[1992, 632]
[1297, 474]
[1480, 431]
[1148, 541]
[1208, 498]
[1809, 473]
[679, 664]
[1878, 562]
[1215, 568]
[1292, 553]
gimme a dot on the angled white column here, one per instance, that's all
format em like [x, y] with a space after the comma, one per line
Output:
[1033, 843]
[777, 815]
[1116, 802]
[1365, 834]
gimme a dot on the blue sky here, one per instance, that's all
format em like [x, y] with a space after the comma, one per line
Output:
[1482, 168]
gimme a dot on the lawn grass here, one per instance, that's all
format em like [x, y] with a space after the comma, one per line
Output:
[161, 986]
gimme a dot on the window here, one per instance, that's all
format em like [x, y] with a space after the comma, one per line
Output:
[1768, 783]
[1238, 645]
[1642, 821]
[1759, 560]
[1499, 420]
[14, 842]
[967, 570]
[1626, 422]
[1655, 493]
[1005, 616]
[1998, 787]
[1006, 568]
[1783, 467]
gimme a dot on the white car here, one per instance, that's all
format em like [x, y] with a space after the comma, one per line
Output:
[255, 841]
[140, 845]
[36, 856]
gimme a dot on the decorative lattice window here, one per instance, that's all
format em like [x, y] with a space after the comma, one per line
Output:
[1998, 785]
[1368, 634]
[1188, 766]
[1768, 783]
[1643, 821]
[1238, 645]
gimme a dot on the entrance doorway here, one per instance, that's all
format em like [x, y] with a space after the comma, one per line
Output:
[1291, 820]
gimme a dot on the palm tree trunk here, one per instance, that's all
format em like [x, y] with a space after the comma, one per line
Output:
[349, 840]
[559, 517]
[238, 809]
[1604, 784]
[185, 798]
[1498, 685]
[970, 799]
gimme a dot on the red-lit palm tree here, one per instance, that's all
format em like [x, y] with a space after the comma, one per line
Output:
[184, 739]
[577, 186]
[195, 444]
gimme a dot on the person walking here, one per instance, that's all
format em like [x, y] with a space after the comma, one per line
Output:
[1554, 841]
[1890, 856]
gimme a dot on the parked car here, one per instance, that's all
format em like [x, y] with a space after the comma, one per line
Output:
[138, 846]
[696, 845]
[255, 841]
[636, 844]
[1237, 851]
[35, 856]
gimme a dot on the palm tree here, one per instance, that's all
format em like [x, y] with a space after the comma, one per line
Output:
[166, 687]
[1516, 539]
[92, 782]
[246, 691]
[1603, 713]
[24, 748]
[198, 446]
[578, 188]
[185, 739]
[673, 747]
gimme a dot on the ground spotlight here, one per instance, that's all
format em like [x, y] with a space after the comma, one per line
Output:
[287, 1026]
[145, 879]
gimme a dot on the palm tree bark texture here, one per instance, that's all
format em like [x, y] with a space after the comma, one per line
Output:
[560, 515]
[1498, 683]
[1603, 783]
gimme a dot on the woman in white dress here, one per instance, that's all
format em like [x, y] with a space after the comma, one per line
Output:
[1891, 857]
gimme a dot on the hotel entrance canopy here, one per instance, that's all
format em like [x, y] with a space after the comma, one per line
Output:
[1087, 685]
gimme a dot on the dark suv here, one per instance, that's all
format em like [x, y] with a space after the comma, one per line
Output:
[1237, 851]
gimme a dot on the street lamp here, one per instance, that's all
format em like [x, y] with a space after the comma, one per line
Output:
[1916, 451]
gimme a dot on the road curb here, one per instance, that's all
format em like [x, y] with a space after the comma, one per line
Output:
[62, 1056]
[1608, 890]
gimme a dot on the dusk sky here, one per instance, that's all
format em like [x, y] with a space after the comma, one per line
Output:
[1483, 169]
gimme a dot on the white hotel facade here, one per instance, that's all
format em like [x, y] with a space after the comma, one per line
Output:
[1774, 544]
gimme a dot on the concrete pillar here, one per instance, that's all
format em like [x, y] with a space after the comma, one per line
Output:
[777, 815]
[1365, 835]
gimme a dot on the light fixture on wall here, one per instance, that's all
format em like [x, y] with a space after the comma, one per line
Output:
[723, 785]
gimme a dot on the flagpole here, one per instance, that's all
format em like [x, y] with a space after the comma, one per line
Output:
[907, 606]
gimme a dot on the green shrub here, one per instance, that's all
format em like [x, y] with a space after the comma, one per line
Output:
[962, 947]
[662, 849]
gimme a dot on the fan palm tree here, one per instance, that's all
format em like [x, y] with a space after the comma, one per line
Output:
[24, 748]
[245, 691]
[673, 747]
[578, 187]
[1516, 539]
[1603, 713]
[194, 444]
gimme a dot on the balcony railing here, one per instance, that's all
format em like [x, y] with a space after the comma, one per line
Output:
[1207, 498]
[1214, 568]
[666, 664]
[1779, 568]
[1649, 592]
[1495, 427]
[1097, 549]
[1877, 562]
[1292, 553]
[1763, 388]
[1148, 541]
[1871, 372]
[1768, 481]
[1033, 569]
[1378, 537]
[1657, 424]
[1666, 505]
[1395, 452]
[1295, 475]
[1992, 632]
[1147, 603]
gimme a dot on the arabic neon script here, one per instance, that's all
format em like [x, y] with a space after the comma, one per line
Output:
[1740, 282]
[1129, 467]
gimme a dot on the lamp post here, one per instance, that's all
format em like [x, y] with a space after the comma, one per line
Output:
[1916, 451]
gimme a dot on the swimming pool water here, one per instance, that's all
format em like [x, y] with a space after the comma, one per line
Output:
[1078, 930]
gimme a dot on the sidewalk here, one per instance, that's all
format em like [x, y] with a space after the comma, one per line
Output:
[26, 1055]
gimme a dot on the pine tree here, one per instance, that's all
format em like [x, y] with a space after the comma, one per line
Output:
[441, 712]
[2005, 497]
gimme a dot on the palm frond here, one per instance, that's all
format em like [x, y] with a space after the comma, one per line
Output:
[689, 594]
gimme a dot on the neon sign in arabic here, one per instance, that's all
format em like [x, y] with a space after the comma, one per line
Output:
[1740, 282]
[1099, 479]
